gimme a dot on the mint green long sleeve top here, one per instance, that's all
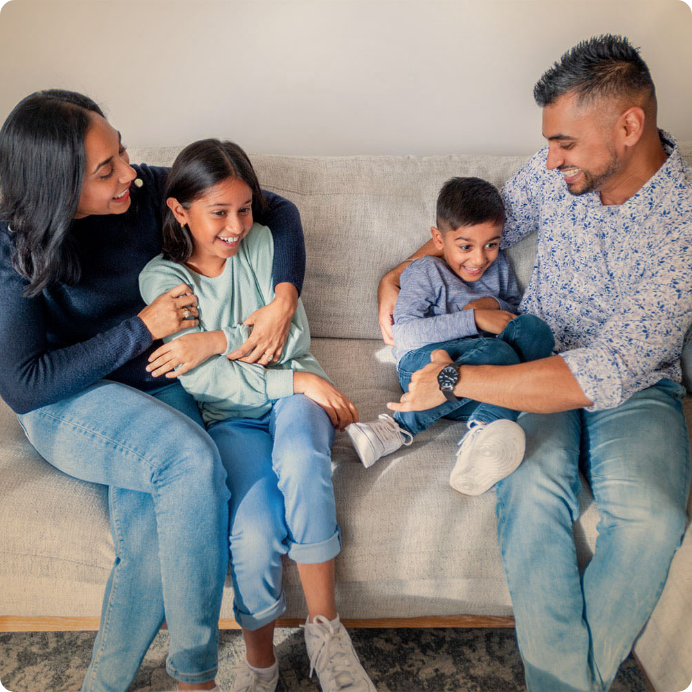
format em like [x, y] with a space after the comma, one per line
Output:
[226, 388]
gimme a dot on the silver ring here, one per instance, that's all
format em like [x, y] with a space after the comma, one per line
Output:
[186, 313]
[268, 354]
[403, 398]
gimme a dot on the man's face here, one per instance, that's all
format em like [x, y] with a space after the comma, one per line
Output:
[581, 143]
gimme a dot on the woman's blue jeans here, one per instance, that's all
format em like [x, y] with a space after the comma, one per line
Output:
[525, 338]
[282, 500]
[169, 520]
[574, 630]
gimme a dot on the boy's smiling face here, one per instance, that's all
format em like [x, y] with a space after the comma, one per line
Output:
[469, 250]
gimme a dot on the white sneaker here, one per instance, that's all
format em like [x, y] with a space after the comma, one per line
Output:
[487, 454]
[333, 657]
[377, 438]
[248, 680]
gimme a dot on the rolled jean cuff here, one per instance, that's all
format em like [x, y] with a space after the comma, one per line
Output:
[254, 622]
[191, 678]
[314, 553]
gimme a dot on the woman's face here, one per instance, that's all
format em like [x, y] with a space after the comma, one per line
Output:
[108, 174]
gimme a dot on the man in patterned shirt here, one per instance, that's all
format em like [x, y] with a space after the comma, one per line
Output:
[611, 201]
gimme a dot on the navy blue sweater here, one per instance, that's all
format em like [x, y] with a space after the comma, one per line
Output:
[60, 342]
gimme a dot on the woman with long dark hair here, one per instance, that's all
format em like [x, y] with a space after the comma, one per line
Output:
[77, 224]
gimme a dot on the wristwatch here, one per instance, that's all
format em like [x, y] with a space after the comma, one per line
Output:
[446, 379]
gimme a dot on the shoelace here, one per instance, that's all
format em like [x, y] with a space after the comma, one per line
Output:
[335, 649]
[471, 433]
[251, 681]
[390, 433]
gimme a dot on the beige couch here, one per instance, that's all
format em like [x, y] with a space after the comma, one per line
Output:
[413, 548]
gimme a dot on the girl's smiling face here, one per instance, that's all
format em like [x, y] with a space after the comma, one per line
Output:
[217, 221]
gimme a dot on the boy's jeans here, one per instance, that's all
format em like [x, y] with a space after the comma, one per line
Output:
[524, 339]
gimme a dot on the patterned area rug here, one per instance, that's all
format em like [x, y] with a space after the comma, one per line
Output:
[398, 660]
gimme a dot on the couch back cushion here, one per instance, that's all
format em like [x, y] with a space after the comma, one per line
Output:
[363, 215]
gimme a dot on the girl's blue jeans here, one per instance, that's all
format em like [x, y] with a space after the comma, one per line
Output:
[575, 629]
[282, 500]
[524, 339]
[168, 506]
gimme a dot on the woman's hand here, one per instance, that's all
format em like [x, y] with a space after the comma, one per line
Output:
[270, 325]
[171, 312]
[493, 321]
[188, 351]
[340, 410]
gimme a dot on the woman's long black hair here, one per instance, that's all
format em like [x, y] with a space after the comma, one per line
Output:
[198, 167]
[42, 164]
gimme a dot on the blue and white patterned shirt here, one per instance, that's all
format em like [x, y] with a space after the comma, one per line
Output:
[613, 282]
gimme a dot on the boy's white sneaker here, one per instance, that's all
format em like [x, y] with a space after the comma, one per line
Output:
[248, 680]
[487, 454]
[333, 657]
[377, 438]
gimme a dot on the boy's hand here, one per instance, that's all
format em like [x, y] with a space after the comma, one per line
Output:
[188, 351]
[493, 321]
[340, 410]
[487, 303]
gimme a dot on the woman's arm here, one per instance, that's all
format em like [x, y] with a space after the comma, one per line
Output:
[270, 323]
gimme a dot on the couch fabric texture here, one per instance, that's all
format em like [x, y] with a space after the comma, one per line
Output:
[412, 545]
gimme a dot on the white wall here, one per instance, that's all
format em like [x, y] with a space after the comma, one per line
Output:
[330, 76]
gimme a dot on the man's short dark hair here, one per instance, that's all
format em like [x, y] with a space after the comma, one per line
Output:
[467, 202]
[603, 66]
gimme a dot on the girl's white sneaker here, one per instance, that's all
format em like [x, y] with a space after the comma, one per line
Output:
[248, 680]
[333, 657]
[377, 438]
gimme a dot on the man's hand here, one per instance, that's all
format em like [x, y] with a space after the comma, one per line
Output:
[424, 391]
[493, 321]
[387, 293]
[487, 303]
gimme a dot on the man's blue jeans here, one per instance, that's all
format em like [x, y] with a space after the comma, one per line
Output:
[574, 631]
[282, 500]
[169, 519]
[525, 338]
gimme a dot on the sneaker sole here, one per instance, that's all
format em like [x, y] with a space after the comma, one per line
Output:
[488, 476]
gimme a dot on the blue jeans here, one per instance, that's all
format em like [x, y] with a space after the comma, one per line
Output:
[169, 519]
[525, 338]
[282, 500]
[574, 631]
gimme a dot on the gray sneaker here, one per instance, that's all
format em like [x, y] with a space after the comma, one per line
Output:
[333, 657]
[487, 454]
[377, 438]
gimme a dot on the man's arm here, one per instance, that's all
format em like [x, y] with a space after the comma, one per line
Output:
[541, 386]
[388, 290]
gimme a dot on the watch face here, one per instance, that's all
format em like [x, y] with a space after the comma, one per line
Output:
[448, 377]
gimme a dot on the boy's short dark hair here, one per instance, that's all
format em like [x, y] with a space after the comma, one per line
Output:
[602, 66]
[468, 202]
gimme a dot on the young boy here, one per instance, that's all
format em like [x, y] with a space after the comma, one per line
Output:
[465, 304]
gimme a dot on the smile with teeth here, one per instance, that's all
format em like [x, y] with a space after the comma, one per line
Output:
[229, 239]
[570, 173]
[473, 270]
[122, 194]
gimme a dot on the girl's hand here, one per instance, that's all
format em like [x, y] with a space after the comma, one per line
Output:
[188, 352]
[340, 410]
[486, 303]
[493, 321]
[270, 325]
[171, 312]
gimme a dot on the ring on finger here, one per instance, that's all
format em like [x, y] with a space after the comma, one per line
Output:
[403, 398]
[268, 354]
[186, 313]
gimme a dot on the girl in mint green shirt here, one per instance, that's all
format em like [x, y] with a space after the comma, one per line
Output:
[273, 421]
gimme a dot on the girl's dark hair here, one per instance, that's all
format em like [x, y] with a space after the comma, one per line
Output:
[198, 167]
[42, 164]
